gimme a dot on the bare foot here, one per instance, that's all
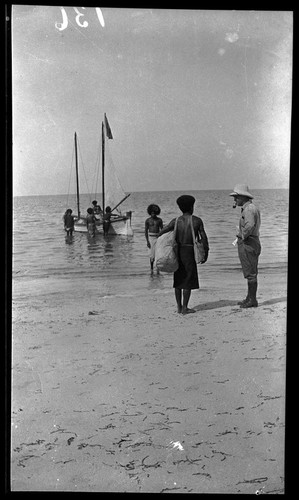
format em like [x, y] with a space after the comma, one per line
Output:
[188, 311]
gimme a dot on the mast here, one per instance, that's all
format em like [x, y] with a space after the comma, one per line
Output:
[77, 176]
[103, 168]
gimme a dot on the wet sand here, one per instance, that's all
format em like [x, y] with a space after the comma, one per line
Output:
[123, 394]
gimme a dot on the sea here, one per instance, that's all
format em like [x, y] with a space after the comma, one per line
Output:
[44, 260]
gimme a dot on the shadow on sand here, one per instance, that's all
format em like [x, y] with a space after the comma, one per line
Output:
[224, 303]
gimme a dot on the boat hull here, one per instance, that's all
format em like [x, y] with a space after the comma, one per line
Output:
[119, 226]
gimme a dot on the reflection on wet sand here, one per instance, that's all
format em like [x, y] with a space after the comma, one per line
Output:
[156, 281]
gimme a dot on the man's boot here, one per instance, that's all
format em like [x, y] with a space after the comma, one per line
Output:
[242, 302]
[251, 302]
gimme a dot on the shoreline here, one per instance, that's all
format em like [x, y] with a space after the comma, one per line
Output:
[122, 394]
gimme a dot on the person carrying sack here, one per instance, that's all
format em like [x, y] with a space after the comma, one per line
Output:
[185, 278]
[166, 259]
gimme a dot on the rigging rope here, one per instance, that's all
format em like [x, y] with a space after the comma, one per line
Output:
[97, 169]
[71, 170]
[82, 165]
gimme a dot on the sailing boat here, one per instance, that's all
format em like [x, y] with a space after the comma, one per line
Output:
[120, 223]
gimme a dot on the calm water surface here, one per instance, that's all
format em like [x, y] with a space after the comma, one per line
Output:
[41, 249]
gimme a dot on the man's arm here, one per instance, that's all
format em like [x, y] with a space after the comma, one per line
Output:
[249, 217]
[204, 239]
[146, 227]
[166, 229]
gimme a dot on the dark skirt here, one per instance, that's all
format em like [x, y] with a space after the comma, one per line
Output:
[186, 277]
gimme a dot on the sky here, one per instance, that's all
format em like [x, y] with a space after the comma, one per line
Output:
[196, 99]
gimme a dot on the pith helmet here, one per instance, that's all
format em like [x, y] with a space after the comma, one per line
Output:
[241, 189]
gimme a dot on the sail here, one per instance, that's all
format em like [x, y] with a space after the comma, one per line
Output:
[114, 192]
[107, 127]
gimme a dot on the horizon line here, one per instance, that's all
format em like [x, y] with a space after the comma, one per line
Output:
[149, 191]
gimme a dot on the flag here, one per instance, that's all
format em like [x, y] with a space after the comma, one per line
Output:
[108, 129]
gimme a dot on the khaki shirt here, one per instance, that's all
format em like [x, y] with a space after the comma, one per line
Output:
[250, 221]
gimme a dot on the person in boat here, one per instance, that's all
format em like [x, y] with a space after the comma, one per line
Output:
[91, 222]
[107, 219]
[185, 278]
[153, 225]
[97, 210]
[68, 219]
[249, 246]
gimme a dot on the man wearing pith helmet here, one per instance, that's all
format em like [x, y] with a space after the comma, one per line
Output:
[249, 247]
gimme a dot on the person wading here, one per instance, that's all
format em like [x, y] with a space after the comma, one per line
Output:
[249, 247]
[153, 225]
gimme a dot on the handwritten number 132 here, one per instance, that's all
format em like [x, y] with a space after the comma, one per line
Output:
[84, 24]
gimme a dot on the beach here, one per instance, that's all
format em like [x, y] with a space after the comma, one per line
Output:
[113, 390]
[123, 394]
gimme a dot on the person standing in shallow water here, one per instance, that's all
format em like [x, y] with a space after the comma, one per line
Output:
[153, 225]
[69, 222]
[107, 220]
[97, 210]
[91, 222]
[249, 247]
[185, 278]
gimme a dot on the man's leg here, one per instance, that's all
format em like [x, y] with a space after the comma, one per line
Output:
[178, 298]
[186, 297]
[249, 262]
[152, 265]
[252, 288]
[244, 264]
[153, 242]
[242, 302]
